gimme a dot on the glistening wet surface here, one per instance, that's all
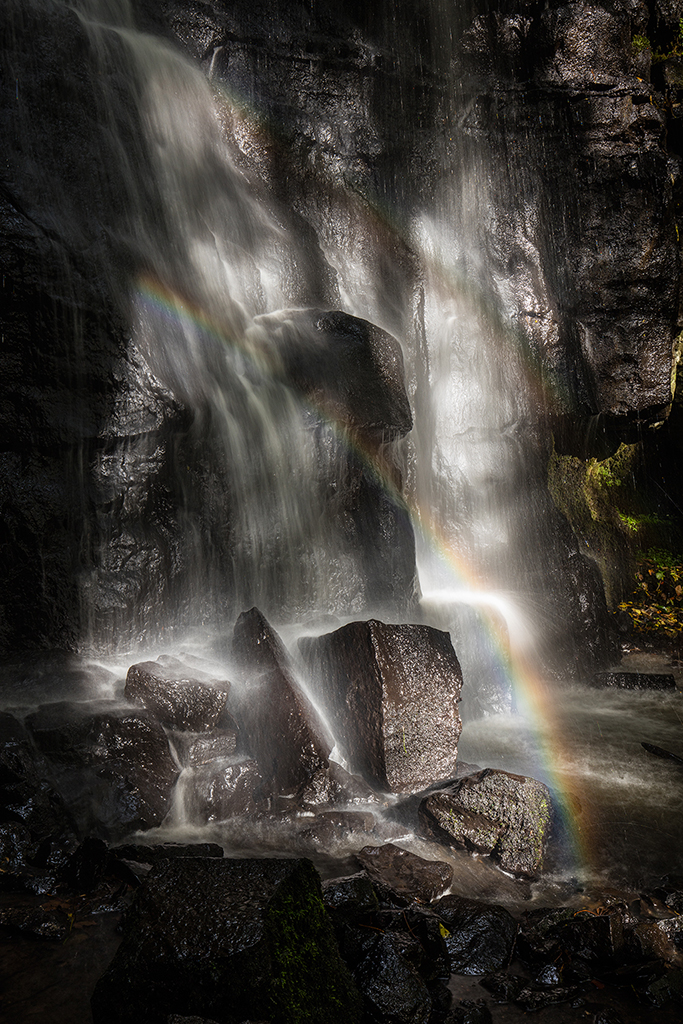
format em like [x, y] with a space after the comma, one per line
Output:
[623, 820]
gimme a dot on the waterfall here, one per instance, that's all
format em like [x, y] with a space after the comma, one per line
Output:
[208, 483]
[232, 239]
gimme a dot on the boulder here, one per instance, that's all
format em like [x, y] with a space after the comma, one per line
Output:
[349, 373]
[229, 940]
[30, 918]
[176, 694]
[113, 767]
[422, 926]
[493, 812]
[527, 994]
[392, 694]
[350, 897]
[406, 873]
[279, 723]
[392, 988]
[480, 936]
[29, 797]
[16, 846]
[196, 748]
[348, 368]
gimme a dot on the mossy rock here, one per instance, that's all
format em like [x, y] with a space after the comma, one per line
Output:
[228, 940]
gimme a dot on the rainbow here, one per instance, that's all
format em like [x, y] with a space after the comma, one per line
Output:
[513, 645]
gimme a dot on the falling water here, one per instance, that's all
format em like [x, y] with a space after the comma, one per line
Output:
[208, 247]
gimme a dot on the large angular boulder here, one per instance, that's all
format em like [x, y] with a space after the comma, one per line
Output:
[178, 695]
[279, 723]
[229, 940]
[391, 692]
[493, 812]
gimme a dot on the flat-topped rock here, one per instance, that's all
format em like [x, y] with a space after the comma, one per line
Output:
[229, 940]
[406, 873]
[178, 695]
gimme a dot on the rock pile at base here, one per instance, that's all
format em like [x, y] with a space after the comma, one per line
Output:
[229, 941]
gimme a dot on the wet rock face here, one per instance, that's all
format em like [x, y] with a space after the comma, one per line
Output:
[493, 812]
[589, 132]
[376, 681]
[480, 935]
[405, 873]
[172, 692]
[576, 241]
[283, 730]
[88, 499]
[113, 769]
[260, 947]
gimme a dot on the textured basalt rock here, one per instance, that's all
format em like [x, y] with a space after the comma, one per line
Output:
[113, 769]
[260, 947]
[493, 812]
[376, 681]
[390, 985]
[406, 873]
[196, 748]
[480, 937]
[216, 792]
[176, 694]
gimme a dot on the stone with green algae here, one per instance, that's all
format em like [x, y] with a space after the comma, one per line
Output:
[494, 812]
[228, 940]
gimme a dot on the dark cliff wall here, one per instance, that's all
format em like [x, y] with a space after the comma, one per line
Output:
[343, 118]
